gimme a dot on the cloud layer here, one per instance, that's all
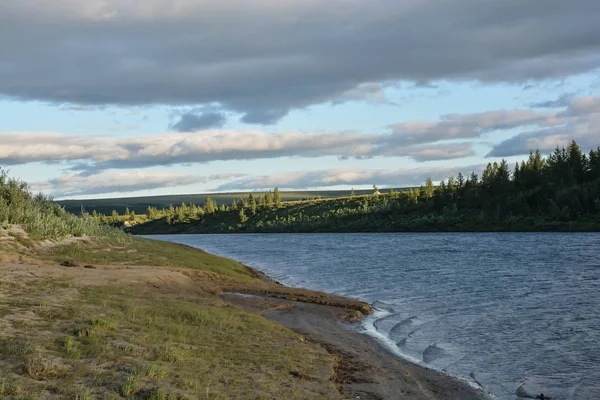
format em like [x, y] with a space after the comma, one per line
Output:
[100, 153]
[71, 185]
[400, 177]
[110, 182]
[581, 122]
[243, 55]
[451, 137]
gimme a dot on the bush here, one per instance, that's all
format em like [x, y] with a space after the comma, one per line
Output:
[41, 217]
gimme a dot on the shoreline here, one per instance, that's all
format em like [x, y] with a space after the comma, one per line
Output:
[595, 229]
[373, 369]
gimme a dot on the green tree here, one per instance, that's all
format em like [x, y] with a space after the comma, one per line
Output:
[276, 197]
[577, 162]
[352, 194]
[268, 199]
[209, 206]
[429, 188]
[243, 217]
[460, 181]
[252, 204]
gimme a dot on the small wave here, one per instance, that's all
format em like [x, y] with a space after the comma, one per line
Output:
[400, 326]
[433, 352]
[380, 305]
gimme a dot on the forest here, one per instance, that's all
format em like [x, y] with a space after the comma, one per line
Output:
[557, 192]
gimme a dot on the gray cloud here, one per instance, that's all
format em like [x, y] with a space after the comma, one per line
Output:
[462, 126]
[582, 106]
[581, 123]
[401, 177]
[560, 102]
[256, 63]
[263, 117]
[198, 120]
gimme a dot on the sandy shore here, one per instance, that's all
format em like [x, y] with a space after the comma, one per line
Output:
[365, 370]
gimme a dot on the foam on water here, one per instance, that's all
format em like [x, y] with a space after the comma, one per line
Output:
[514, 313]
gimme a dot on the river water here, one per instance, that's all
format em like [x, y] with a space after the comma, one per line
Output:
[516, 313]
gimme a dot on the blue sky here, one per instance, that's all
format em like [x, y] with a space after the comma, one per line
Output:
[119, 98]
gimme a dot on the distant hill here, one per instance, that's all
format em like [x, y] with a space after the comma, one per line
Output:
[140, 204]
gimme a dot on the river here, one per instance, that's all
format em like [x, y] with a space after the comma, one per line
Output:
[516, 313]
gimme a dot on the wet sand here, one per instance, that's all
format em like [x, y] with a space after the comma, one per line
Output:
[365, 369]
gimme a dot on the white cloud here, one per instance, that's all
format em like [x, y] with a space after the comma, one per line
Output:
[99, 153]
[400, 177]
[123, 182]
[581, 122]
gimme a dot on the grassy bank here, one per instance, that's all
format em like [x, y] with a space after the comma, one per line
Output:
[65, 341]
[89, 312]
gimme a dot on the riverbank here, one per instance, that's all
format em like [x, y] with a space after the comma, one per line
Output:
[86, 319]
[365, 369]
[269, 221]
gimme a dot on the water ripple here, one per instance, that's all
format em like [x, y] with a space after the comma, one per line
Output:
[516, 313]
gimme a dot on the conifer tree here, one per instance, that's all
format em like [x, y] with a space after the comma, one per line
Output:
[209, 206]
[252, 204]
[243, 217]
[276, 197]
[460, 180]
[429, 188]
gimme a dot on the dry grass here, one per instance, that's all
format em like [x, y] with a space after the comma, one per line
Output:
[113, 342]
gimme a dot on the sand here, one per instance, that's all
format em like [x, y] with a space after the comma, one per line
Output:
[366, 370]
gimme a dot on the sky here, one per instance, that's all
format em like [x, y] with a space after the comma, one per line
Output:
[116, 98]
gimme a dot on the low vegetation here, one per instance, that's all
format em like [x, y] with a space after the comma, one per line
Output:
[41, 217]
[139, 205]
[559, 192]
[111, 342]
[90, 312]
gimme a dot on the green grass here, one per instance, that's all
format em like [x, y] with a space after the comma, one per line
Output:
[141, 251]
[128, 343]
[41, 217]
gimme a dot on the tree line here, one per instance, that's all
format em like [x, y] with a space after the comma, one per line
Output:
[538, 192]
